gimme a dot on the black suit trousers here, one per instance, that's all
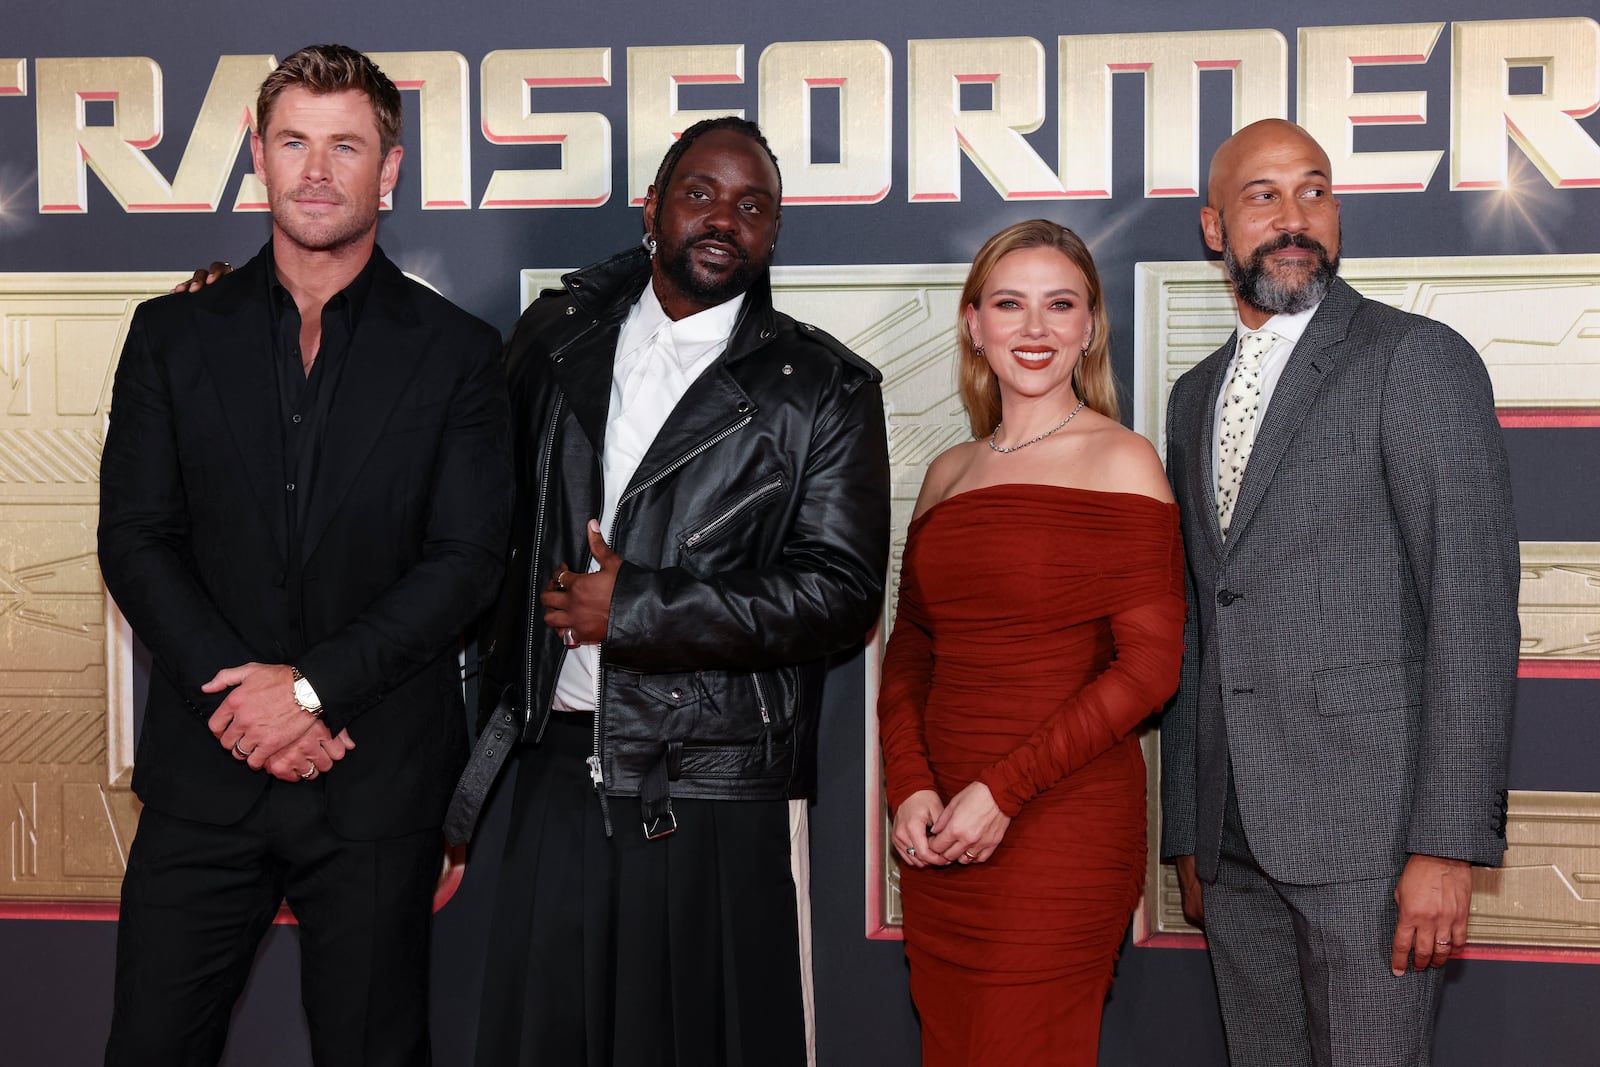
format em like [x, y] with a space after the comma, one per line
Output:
[197, 899]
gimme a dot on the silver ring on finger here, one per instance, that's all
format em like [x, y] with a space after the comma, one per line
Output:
[911, 852]
[1442, 944]
[310, 773]
[242, 751]
[569, 638]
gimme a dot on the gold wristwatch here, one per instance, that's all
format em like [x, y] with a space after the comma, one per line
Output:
[304, 695]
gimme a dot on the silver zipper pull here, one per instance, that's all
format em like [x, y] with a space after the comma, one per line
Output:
[594, 771]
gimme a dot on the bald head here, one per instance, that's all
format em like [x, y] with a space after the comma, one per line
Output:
[1259, 144]
[1271, 212]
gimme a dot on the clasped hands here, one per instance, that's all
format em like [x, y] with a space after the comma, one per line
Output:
[931, 833]
[577, 606]
[262, 724]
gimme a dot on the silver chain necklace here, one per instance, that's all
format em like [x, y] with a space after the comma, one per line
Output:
[1032, 440]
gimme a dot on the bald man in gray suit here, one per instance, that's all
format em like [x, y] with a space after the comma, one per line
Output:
[1335, 759]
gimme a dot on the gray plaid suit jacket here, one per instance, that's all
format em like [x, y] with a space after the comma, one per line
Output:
[1352, 646]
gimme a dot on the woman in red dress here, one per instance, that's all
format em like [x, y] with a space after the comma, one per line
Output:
[1040, 621]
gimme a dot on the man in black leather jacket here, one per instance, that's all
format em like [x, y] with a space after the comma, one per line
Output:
[646, 912]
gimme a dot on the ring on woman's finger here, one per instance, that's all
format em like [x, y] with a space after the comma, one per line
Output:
[1442, 944]
[911, 852]
[971, 855]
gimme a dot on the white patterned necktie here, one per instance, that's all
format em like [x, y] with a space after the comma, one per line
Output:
[1241, 401]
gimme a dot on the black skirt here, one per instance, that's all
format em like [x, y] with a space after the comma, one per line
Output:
[625, 952]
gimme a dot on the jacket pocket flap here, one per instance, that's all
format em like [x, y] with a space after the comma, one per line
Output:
[1369, 687]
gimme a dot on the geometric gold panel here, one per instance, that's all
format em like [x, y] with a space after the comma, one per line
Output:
[66, 816]
[1560, 602]
[1548, 890]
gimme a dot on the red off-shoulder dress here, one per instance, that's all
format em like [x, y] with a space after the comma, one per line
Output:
[1037, 627]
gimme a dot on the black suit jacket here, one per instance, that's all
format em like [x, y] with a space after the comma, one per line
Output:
[402, 544]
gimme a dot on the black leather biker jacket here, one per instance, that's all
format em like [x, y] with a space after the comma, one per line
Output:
[755, 535]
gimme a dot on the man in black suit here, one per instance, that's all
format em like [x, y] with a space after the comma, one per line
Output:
[305, 495]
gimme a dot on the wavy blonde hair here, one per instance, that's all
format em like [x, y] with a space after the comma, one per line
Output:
[1092, 378]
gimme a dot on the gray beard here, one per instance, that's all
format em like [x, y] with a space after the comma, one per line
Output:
[1257, 286]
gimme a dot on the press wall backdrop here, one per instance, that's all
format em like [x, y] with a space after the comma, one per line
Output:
[1465, 147]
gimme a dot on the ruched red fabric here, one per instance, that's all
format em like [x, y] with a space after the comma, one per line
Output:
[1037, 627]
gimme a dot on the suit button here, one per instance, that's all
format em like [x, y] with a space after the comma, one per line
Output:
[1228, 596]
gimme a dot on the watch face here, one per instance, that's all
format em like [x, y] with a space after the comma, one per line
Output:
[305, 695]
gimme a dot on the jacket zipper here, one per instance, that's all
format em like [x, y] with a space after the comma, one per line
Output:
[596, 775]
[681, 460]
[750, 499]
[766, 718]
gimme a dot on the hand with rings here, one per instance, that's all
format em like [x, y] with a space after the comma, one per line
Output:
[910, 836]
[577, 603]
[971, 827]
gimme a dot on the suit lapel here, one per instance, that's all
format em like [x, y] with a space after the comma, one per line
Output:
[1314, 356]
[386, 352]
[1202, 473]
[236, 333]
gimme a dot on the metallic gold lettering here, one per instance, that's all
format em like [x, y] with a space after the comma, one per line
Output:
[655, 75]
[941, 130]
[1171, 65]
[861, 71]
[441, 80]
[1330, 108]
[67, 144]
[584, 177]
[1544, 125]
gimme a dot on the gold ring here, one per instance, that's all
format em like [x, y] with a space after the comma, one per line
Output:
[971, 855]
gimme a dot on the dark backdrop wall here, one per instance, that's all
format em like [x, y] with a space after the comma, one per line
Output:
[908, 198]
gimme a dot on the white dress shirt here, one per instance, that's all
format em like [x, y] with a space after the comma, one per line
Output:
[657, 360]
[1289, 329]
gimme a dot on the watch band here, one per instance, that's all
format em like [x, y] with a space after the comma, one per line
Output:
[304, 694]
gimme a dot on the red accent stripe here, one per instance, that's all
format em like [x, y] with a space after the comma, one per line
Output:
[1557, 668]
[1548, 418]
